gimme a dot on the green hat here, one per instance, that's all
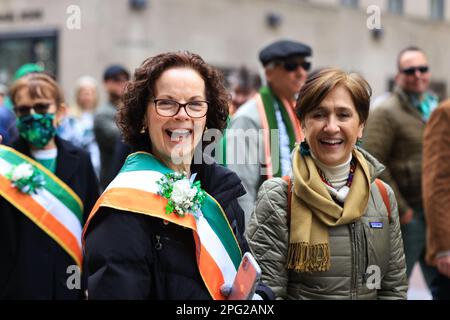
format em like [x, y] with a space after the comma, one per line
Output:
[26, 69]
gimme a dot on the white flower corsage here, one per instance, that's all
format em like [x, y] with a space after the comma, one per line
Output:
[26, 178]
[185, 196]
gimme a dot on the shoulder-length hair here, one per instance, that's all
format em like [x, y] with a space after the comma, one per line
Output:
[141, 89]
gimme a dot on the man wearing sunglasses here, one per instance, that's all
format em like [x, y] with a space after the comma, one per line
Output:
[393, 135]
[264, 130]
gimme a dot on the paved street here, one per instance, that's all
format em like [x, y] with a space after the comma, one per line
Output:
[417, 288]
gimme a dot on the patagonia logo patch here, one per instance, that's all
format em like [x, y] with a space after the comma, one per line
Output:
[376, 225]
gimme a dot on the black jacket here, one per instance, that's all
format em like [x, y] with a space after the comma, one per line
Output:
[134, 256]
[33, 265]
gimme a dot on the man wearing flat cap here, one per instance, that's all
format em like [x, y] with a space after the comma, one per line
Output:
[264, 130]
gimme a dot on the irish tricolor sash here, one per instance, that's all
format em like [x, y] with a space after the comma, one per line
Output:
[265, 102]
[135, 190]
[54, 208]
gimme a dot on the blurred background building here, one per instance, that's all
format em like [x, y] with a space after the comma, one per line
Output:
[77, 37]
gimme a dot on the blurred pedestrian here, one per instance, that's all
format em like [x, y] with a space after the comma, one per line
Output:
[264, 130]
[436, 197]
[394, 134]
[106, 131]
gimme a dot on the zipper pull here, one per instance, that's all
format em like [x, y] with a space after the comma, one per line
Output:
[158, 245]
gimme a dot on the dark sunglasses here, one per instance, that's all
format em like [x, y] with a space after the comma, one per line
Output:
[24, 110]
[412, 70]
[290, 66]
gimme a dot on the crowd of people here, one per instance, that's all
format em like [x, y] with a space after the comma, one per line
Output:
[333, 199]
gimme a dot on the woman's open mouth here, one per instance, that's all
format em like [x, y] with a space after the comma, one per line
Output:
[178, 135]
[331, 142]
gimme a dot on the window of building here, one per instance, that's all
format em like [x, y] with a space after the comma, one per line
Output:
[17, 49]
[395, 6]
[350, 3]
[437, 9]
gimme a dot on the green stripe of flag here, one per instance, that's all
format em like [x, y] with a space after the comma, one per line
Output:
[218, 223]
[59, 192]
[141, 161]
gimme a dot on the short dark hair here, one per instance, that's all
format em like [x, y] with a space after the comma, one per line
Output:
[115, 72]
[321, 82]
[403, 51]
[141, 89]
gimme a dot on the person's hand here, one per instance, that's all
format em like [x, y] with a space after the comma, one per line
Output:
[407, 216]
[225, 290]
[443, 265]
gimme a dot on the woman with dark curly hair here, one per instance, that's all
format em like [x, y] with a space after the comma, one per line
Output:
[168, 227]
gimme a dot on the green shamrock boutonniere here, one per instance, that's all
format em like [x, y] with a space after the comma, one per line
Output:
[184, 195]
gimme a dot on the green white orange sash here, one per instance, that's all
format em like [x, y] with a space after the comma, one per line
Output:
[55, 208]
[265, 102]
[135, 190]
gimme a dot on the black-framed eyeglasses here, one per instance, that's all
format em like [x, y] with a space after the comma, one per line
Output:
[25, 110]
[412, 70]
[292, 65]
[169, 108]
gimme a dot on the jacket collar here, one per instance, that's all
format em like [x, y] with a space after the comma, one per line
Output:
[375, 167]
[406, 103]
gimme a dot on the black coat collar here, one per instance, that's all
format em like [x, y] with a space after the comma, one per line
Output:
[67, 159]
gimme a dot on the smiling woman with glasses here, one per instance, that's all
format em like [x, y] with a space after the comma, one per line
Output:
[47, 189]
[169, 224]
[170, 108]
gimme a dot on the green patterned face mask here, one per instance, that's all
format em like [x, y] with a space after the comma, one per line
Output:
[37, 129]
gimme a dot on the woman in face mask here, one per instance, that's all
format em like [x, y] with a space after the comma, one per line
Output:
[47, 188]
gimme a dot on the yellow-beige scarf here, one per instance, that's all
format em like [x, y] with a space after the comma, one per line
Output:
[313, 211]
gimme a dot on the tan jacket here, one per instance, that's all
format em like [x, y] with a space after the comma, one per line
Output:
[357, 250]
[436, 181]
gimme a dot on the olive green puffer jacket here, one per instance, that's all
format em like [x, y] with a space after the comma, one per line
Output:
[367, 261]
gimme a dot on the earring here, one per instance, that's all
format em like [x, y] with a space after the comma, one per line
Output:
[143, 129]
[359, 142]
[304, 148]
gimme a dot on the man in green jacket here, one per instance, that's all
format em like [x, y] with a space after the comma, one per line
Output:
[264, 130]
[393, 134]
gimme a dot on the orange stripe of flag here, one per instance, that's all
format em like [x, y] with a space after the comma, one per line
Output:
[209, 270]
[142, 202]
[154, 205]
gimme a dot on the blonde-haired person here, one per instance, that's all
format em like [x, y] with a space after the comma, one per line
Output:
[336, 238]
[86, 97]
[47, 188]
